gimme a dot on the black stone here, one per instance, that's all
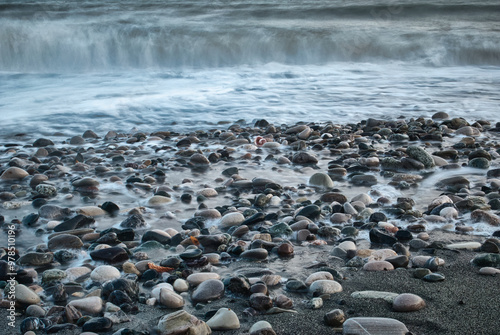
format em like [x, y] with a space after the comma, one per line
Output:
[378, 217]
[191, 254]
[122, 234]
[155, 236]
[64, 256]
[230, 171]
[377, 237]
[60, 327]
[39, 202]
[256, 218]
[42, 142]
[149, 274]
[194, 223]
[109, 255]
[100, 324]
[186, 198]
[119, 297]
[311, 212]
[110, 207]
[31, 220]
[79, 221]
[121, 284]
[133, 221]
[403, 235]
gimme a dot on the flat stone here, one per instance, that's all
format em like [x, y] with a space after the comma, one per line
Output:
[104, 273]
[181, 322]
[77, 273]
[408, 302]
[480, 215]
[464, 246]
[99, 324]
[91, 211]
[224, 319]
[255, 254]
[489, 271]
[52, 275]
[109, 255]
[373, 326]
[36, 258]
[208, 290]
[488, 260]
[158, 201]
[387, 296]
[434, 277]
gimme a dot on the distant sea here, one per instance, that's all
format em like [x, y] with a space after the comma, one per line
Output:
[69, 66]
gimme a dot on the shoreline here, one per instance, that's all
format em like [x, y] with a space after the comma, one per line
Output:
[286, 200]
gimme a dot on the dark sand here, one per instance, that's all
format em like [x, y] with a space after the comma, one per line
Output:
[465, 303]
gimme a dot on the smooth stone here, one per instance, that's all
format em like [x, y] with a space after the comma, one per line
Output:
[262, 328]
[483, 216]
[387, 296]
[364, 198]
[196, 279]
[79, 221]
[373, 326]
[181, 322]
[434, 277]
[91, 305]
[400, 261]
[35, 311]
[51, 275]
[421, 273]
[181, 285]
[378, 266]
[100, 324]
[315, 303]
[321, 179]
[321, 275]
[320, 287]
[334, 318]
[420, 155]
[53, 212]
[311, 212]
[110, 255]
[408, 302]
[464, 246]
[104, 273]
[381, 254]
[158, 200]
[77, 273]
[208, 290]
[224, 319]
[208, 213]
[340, 218]
[208, 192]
[170, 299]
[91, 211]
[420, 261]
[14, 173]
[231, 219]
[488, 260]
[489, 271]
[378, 237]
[255, 254]
[25, 295]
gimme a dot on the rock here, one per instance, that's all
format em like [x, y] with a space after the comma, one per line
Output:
[282, 301]
[196, 279]
[208, 290]
[320, 287]
[231, 219]
[224, 319]
[285, 250]
[181, 322]
[181, 285]
[479, 163]
[321, 180]
[315, 303]
[468, 131]
[77, 273]
[208, 214]
[364, 180]
[434, 277]
[257, 254]
[420, 155]
[378, 266]
[337, 218]
[158, 201]
[100, 324]
[489, 271]
[262, 328]
[42, 142]
[14, 173]
[400, 261]
[334, 318]
[170, 299]
[199, 159]
[49, 276]
[280, 229]
[373, 326]
[133, 221]
[320, 275]
[484, 216]
[260, 302]
[378, 237]
[36, 259]
[25, 295]
[408, 302]
[35, 311]
[91, 305]
[53, 212]
[464, 246]
[79, 221]
[387, 296]
[311, 212]
[304, 158]
[488, 260]
[110, 255]
[46, 190]
[104, 273]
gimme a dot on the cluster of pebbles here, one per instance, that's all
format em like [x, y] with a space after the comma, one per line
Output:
[213, 211]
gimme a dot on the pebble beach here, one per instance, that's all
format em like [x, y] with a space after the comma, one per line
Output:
[371, 227]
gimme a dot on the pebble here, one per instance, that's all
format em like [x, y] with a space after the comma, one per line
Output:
[334, 318]
[378, 266]
[257, 254]
[98, 325]
[488, 260]
[91, 305]
[322, 180]
[408, 302]
[110, 255]
[196, 279]
[224, 319]
[77, 273]
[170, 299]
[36, 258]
[231, 219]
[260, 301]
[208, 290]
[434, 277]
[104, 273]
[489, 271]
[320, 287]
[181, 322]
[181, 285]
[262, 328]
[25, 295]
[387, 296]
[464, 246]
[35, 311]
[321, 275]
[13, 174]
[373, 326]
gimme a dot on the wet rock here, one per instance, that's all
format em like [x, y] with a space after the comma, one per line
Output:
[133, 221]
[260, 302]
[334, 318]
[42, 142]
[196, 279]
[53, 212]
[378, 237]
[484, 216]
[49, 276]
[181, 322]
[98, 325]
[238, 285]
[479, 163]
[296, 286]
[110, 255]
[13, 174]
[304, 158]
[321, 180]
[255, 254]
[320, 287]
[420, 155]
[25, 295]
[320, 275]
[489, 260]
[79, 221]
[104, 273]
[199, 159]
[231, 219]
[46, 190]
[311, 212]
[35, 259]
[91, 305]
